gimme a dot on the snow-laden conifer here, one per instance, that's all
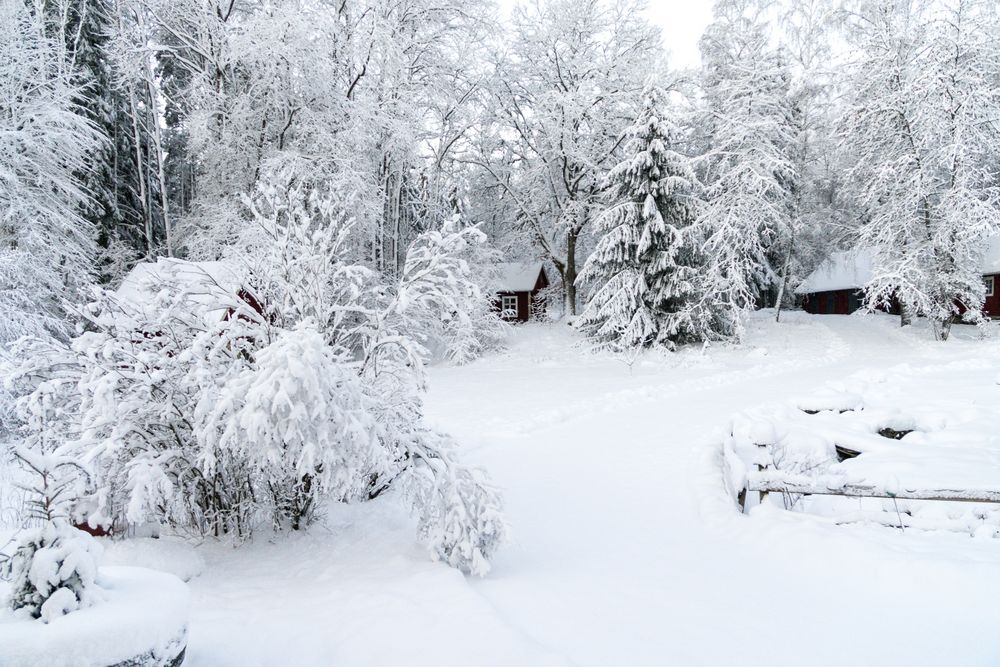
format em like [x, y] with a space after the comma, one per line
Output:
[53, 566]
[642, 266]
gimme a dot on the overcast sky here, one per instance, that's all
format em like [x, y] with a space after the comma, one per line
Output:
[682, 22]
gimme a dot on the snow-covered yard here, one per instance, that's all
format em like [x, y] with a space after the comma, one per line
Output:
[627, 548]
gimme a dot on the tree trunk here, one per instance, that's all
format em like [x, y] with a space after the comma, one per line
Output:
[905, 314]
[147, 218]
[942, 328]
[569, 273]
[784, 280]
[160, 157]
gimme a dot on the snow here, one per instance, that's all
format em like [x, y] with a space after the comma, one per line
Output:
[171, 555]
[628, 545]
[207, 284]
[518, 276]
[142, 611]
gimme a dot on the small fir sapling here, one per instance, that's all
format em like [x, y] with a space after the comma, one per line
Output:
[53, 568]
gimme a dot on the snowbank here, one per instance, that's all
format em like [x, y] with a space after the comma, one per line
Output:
[924, 431]
[142, 621]
[164, 554]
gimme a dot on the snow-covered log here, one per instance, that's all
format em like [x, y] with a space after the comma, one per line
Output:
[775, 481]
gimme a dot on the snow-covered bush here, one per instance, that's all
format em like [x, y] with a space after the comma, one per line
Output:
[218, 409]
[299, 418]
[53, 567]
[441, 298]
[460, 514]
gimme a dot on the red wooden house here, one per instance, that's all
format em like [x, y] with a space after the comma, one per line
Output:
[836, 287]
[517, 292]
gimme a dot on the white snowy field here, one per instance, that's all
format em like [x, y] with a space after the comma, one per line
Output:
[628, 549]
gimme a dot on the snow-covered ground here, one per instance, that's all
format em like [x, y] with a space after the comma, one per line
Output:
[627, 547]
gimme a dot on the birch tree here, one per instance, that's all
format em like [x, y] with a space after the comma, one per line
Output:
[47, 248]
[554, 126]
[749, 172]
[922, 126]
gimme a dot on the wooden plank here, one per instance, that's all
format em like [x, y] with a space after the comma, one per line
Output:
[776, 482]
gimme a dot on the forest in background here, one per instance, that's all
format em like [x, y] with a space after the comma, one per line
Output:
[364, 165]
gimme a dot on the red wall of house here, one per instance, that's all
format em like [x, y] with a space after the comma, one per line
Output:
[834, 302]
[992, 304]
[523, 304]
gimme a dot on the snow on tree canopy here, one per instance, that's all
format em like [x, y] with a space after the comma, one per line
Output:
[207, 285]
[518, 276]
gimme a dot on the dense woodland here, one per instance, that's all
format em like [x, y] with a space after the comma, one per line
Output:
[365, 164]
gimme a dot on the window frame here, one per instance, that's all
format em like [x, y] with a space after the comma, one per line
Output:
[990, 282]
[504, 300]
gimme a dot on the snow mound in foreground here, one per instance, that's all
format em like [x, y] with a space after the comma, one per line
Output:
[142, 621]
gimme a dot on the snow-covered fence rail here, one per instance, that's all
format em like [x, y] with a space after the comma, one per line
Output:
[775, 481]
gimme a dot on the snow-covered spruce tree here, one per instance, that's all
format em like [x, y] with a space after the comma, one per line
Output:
[922, 127]
[748, 169]
[641, 266]
[53, 567]
[46, 248]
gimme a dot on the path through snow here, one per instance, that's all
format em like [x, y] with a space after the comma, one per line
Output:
[627, 549]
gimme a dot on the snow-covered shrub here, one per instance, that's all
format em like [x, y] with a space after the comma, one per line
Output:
[299, 418]
[460, 515]
[439, 298]
[216, 410]
[53, 567]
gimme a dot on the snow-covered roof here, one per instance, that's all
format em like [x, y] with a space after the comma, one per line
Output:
[841, 270]
[207, 285]
[991, 257]
[853, 269]
[518, 276]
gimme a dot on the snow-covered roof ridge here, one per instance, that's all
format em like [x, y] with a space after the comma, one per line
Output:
[177, 273]
[207, 285]
[852, 269]
[841, 270]
[518, 276]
